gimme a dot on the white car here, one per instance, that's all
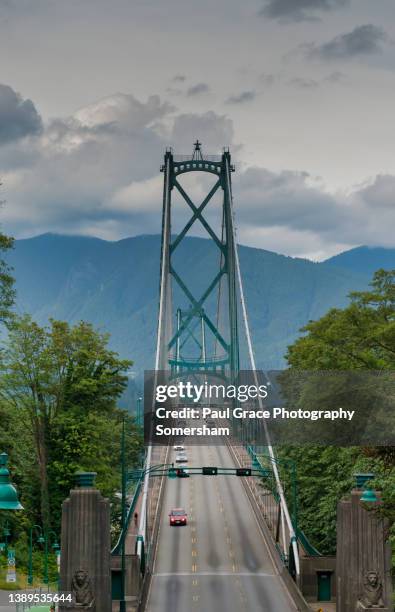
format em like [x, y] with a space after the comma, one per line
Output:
[181, 458]
[179, 447]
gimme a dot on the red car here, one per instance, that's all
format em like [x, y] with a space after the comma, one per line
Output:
[178, 516]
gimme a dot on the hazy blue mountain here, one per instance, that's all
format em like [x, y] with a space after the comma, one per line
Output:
[364, 260]
[115, 286]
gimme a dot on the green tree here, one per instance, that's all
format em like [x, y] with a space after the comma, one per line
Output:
[53, 379]
[360, 337]
[7, 291]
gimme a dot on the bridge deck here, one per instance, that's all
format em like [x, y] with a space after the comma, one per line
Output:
[219, 562]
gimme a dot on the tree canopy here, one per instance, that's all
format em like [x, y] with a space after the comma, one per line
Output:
[7, 291]
[358, 337]
[59, 387]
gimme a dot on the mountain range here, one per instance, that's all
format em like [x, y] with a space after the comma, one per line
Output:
[115, 286]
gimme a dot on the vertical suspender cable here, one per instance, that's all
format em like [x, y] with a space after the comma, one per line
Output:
[280, 489]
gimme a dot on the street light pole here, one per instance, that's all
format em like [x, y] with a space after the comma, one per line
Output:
[55, 547]
[139, 412]
[122, 603]
[6, 535]
[46, 559]
[44, 538]
[30, 569]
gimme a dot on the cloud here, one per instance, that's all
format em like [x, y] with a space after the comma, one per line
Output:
[379, 195]
[335, 77]
[174, 91]
[124, 111]
[179, 78]
[18, 117]
[213, 130]
[303, 83]
[241, 98]
[268, 201]
[267, 79]
[198, 89]
[97, 171]
[299, 10]
[362, 40]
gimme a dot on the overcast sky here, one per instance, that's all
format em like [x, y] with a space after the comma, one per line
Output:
[302, 91]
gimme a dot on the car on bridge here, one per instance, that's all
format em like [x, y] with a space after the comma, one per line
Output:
[181, 458]
[179, 447]
[178, 516]
[182, 472]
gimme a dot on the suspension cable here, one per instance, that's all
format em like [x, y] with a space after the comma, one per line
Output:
[221, 261]
[163, 295]
[280, 489]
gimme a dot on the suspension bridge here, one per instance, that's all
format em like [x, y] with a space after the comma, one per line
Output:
[240, 549]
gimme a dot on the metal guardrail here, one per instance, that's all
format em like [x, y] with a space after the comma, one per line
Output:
[188, 158]
[301, 536]
[117, 548]
[307, 545]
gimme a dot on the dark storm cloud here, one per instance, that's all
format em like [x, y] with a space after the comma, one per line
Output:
[197, 89]
[18, 117]
[363, 40]
[241, 98]
[302, 83]
[299, 10]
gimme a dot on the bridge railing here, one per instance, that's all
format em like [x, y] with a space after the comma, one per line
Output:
[136, 493]
[188, 158]
[270, 502]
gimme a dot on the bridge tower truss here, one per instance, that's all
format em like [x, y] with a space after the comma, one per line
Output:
[195, 323]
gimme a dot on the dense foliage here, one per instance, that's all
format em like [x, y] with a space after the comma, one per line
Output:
[59, 387]
[358, 337]
[7, 292]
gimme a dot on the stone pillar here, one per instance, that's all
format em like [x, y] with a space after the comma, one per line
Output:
[85, 553]
[363, 559]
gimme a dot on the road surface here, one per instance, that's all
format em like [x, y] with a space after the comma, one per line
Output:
[219, 562]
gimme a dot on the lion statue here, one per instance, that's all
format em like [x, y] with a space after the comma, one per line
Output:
[81, 589]
[372, 596]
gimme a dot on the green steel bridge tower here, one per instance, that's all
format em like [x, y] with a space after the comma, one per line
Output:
[194, 324]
